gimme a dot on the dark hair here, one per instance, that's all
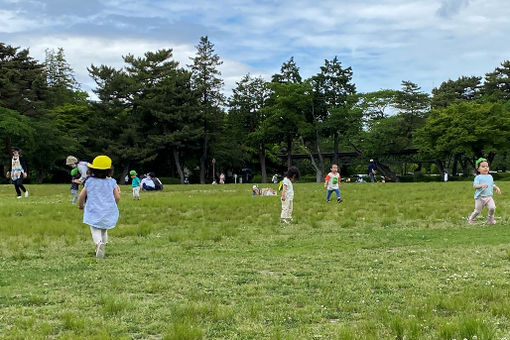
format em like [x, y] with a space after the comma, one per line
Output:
[292, 172]
[100, 173]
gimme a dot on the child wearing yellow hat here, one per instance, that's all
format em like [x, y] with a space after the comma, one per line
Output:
[99, 197]
[483, 185]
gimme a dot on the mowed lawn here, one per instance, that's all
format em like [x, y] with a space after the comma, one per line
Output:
[392, 261]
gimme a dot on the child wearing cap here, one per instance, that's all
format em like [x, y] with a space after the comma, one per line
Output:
[484, 185]
[75, 182]
[135, 184]
[99, 197]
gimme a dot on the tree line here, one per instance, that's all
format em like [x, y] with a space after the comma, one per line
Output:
[155, 114]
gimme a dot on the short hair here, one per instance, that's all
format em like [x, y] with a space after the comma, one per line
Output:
[100, 173]
[292, 172]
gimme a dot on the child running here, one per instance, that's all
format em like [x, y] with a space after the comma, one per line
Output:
[332, 183]
[483, 185]
[18, 172]
[288, 194]
[101, 194]
[75, 182]
[135, 184]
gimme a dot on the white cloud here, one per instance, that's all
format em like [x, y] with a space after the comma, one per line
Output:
[12, 22]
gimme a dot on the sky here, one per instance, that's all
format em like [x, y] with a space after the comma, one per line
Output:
[383, 41]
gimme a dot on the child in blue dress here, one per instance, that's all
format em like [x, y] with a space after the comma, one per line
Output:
[99, 197]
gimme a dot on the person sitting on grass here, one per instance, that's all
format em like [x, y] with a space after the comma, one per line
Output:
[256, 191]
[148, 183]
[484, 185]
[99, 198]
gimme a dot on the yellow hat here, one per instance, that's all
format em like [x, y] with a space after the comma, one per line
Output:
[101, 163]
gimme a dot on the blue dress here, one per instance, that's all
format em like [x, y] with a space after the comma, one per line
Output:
[100, 209]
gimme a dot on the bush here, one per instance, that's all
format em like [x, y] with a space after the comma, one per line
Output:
[169, 180]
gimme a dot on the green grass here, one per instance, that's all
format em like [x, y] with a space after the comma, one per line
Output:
[393, 261]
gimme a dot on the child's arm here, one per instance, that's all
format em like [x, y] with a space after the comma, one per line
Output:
[326, 180]
[284, 189]
[479, 186]
[116, 194]
[498, 190]
[82, 198]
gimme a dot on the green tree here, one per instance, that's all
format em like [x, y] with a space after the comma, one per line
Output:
[413, 106]
[377, 105]
[245, 117]
[206, 81]
[497, 83]
[336, 99]
[469, 129]
[289, 73]
[456, 91]
[22, 81]
[62, 86]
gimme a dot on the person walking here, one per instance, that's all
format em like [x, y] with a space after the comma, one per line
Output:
[372, 169]
[18, 172]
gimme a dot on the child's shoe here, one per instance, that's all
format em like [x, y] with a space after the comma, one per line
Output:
[491, 220]
[471, 222]
[338, 200]
[26, 193]
[18, 197]
[100, 251]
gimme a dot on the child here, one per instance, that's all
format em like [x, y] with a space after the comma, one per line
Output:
[288, 194]
[101, 194]
[18, 172]
[483, 185]
[75, 182]
[332, 183]
[135, 184]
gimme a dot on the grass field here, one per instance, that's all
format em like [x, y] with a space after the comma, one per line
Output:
[392, 261]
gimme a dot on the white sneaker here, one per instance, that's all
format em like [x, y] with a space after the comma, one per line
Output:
[100, 251]
[26, 193]
[18, 197]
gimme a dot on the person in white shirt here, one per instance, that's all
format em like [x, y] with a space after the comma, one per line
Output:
[288, 194]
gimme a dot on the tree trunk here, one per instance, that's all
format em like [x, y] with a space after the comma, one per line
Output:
[125, 171]
[440, 165]
[318, 172]
[490, 157]
[177, 161]
[40, 176]
[386, 172]
[203, 161]
[262, 158]
[289, 152]
[335, 148]
[454, 166]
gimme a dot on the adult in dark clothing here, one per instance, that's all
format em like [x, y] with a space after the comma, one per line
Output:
[372, 170]
[18, 171]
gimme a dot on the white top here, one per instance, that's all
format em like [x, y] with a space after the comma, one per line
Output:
[333, 180]
[289, 192]
[148, 182]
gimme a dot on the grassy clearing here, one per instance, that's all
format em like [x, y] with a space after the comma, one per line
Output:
[392, 261]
